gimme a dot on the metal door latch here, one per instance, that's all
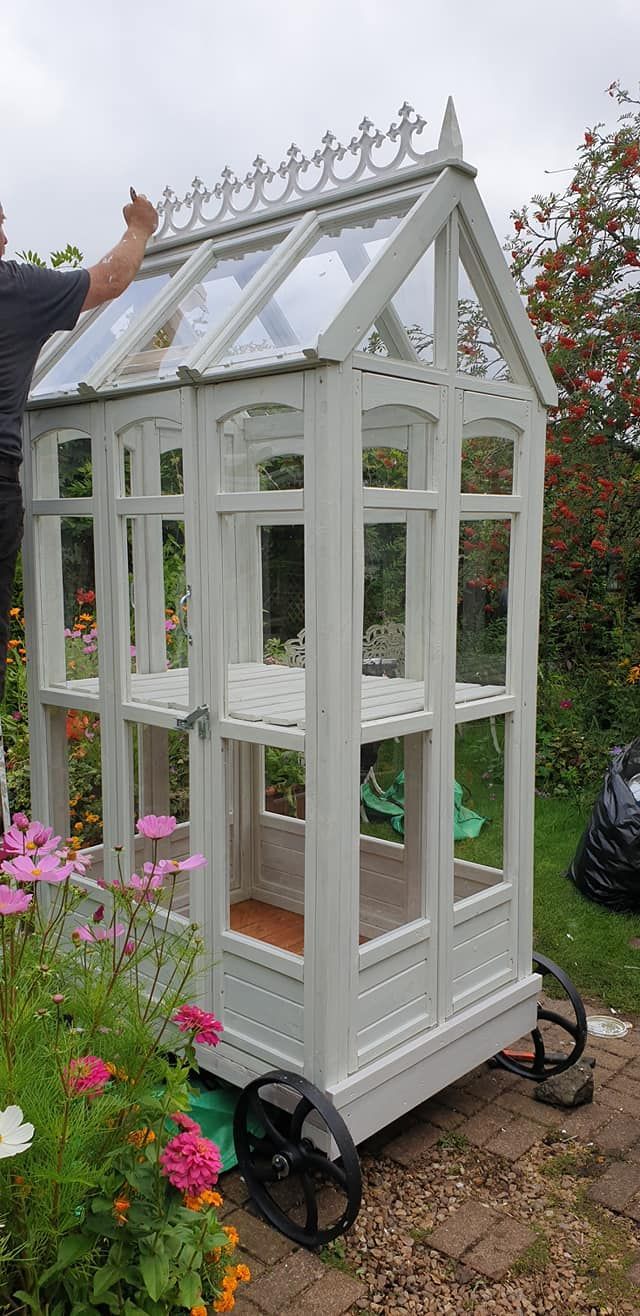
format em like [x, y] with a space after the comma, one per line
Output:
[197, 717]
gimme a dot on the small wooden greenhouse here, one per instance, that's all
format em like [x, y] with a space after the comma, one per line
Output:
[299, 465]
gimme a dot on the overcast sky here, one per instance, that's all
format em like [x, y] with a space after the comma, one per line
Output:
[96, 96]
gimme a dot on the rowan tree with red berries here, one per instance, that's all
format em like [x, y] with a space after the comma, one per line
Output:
[576, 257]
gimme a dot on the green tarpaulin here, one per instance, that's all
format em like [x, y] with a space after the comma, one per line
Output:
[389, 807]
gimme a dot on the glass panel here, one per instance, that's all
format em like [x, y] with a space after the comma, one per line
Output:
[397, 449]
[265, 803]
[392, 796]
[66, 570]
[412, 311]
[478, 352]
[310, 295]
[160, 776]
[263, 581]
[94, 342]
[385, 571]
[262, 449]
[483, 596]
[63, 465]
[201, 308]
[487, 464]
[479, 798]
[76, 787]
[158, 616]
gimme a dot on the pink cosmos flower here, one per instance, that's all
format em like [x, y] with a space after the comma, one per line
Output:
[129, 946]
[87, 1077]
[182, 865]
[191, 1163]
[566, 703]
[19, 839]
[13, 902]
[184, 1122]
[21, 821]
[45, 868]
[81, 862]
[156, 826]
[96, 933]
[144, 887]
[204, 1026]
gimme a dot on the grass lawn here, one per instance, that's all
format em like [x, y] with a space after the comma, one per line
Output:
[588, 942]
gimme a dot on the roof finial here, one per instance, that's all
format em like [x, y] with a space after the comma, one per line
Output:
[450, 143]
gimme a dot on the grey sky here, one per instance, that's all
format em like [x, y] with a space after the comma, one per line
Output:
[94, 97]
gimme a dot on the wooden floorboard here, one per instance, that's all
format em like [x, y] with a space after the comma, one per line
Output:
[278, 927]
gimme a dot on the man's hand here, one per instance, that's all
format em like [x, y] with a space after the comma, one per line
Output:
[113, 274]
[140, 215]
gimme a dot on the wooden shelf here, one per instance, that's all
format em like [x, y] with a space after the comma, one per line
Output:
[274, 694]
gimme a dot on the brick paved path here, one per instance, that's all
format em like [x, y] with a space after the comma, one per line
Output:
[496, 1112]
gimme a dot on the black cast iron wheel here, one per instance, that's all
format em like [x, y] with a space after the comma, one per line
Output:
[294, 1184]
[541, 1062]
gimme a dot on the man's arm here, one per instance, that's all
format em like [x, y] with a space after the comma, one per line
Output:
[109, 278]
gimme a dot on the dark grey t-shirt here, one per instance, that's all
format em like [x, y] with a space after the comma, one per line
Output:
[34, 303]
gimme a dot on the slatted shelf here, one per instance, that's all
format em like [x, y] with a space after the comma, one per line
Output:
[274, 694]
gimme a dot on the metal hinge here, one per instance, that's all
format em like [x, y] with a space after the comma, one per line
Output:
[197, 717]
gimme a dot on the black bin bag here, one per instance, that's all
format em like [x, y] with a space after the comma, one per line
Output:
[606, 865]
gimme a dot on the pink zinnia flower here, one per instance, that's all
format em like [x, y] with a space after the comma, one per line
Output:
[13, 902]
[191, 1163]
[156, 826]
[46, 868]
[19, 839]
[184, 1122]
[87, 1077]
[96, 933]
[205, 1027]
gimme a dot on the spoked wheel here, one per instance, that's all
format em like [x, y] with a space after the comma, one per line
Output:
[554, 1029]
[293, 1182]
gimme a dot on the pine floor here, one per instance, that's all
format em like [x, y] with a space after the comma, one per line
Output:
[278, 927]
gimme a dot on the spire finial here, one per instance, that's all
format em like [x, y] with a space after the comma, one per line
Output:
[450, 143]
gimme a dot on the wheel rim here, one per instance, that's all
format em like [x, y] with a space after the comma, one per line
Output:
[541, 1063]
[296, 1187]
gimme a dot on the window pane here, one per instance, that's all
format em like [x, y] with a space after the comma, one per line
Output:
[479, 803]
[98, 337]
[63, 465]
[483, 597]
[158, 615]
[204, 306]
[487, 464]
[67, 594]
[262, 450]
[265, 871]
[310, 295]
[478, 352]
[397, 449]
[392, 779]
[160, 776]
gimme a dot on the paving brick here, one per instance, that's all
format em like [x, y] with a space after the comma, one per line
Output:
[244, 1307]
[414, 1143]
[622, 1082]
[332, 1295]
[633, 1273]
[495, 1254]
[620, 1101]
[443, 1117]
[516, 1139]
[521, 1103]
[617, 1186]
[485, 1126]
[619, 1134]
[282, 1284]
[258, 1239]
[606, 1063]
[488, 1084]
[459, 1100]
[585, 1122]
[233, 1187]
[462, 1229]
